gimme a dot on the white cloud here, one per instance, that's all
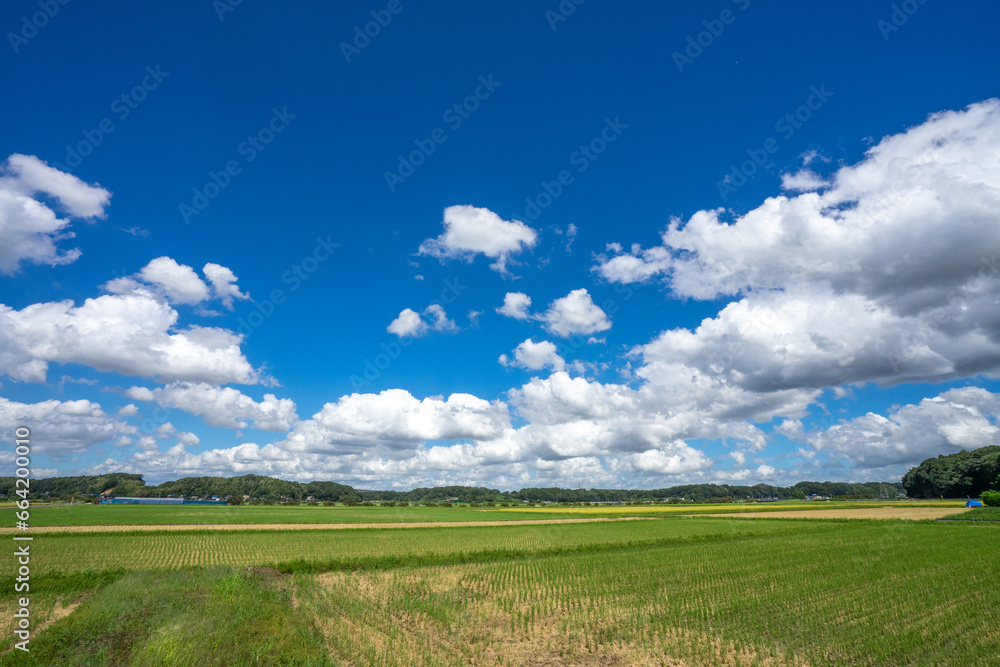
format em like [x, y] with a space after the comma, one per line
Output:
[178, 282]
[739, 457]
[395, 419]
[62, 426]
[29, 228]
[575, 313]
[132, 334]
[957, 419]
[407, 323]
[222, 406]
[515, 304]
[410, 323]
[470, 231]
[223, 282]
[535, 356]
[635, 267]
[804, 180]
[765, 470]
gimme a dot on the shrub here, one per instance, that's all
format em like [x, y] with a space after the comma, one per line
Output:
[388, 503]
[312, 503]
[430, 504]
[445, 504]
[990, 498]
[350, 502]
[328, 503]
[367, 503]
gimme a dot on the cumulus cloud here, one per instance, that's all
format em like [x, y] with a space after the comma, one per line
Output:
[804, 180]
[515, 305]
[535, 356]
[396, 419]
[68, 426]
[575, 313]
[29, 228]
[635, 266]
[222, 406]
[178, 281]
[133, 334]
[410, 323]
[954, 420]
[223, 282]
[887, 276]
[470, 231]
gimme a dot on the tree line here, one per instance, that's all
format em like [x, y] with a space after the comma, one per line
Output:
[124, 484]
[258, 486]
[959, 475]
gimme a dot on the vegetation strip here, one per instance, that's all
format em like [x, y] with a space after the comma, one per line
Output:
[198, 527]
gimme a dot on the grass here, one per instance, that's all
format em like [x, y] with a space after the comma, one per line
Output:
[206, 617]
[126, 515]
[858, 593]
[61, 554]
[684, 591]
[977, 514]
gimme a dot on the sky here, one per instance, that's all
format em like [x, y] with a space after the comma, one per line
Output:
[397, 244]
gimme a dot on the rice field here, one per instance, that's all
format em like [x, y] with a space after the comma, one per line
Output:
[663, 589]
[161, 515]
[854, 594]
[82, 552]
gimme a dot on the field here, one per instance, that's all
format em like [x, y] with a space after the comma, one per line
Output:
[665, 589]
[153, 515]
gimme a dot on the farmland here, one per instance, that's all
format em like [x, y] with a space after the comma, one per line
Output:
[667, 588]
[153, 515]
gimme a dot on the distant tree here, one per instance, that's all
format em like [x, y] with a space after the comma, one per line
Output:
[235, 500]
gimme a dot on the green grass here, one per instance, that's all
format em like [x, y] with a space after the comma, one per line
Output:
[977, 514]
[853, 593]
[129, 515]
[695, 591]
[60, 554]
[205, 617]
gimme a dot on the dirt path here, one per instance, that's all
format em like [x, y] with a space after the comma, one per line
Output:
[302, 526]
[862, 513]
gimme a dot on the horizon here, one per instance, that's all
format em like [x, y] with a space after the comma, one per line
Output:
[724, 243]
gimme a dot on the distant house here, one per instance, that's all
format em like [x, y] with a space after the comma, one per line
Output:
[451, 500]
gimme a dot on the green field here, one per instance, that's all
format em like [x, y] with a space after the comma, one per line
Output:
[978, 514]
[145, 515]
[668, 590]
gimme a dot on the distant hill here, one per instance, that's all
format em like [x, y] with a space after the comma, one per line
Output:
[258, 486]
[956, 475]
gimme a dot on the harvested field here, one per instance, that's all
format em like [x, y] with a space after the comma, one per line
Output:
[303, 526]
[914, 513]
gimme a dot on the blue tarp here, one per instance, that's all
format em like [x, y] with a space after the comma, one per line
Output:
[973, 503]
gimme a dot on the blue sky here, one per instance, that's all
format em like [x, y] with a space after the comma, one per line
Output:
[757, 240]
